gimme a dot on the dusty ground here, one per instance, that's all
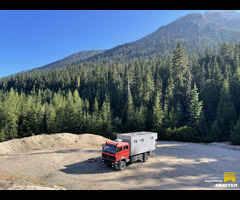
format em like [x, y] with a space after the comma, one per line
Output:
[175, 165]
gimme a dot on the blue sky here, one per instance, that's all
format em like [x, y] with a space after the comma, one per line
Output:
[33, 38]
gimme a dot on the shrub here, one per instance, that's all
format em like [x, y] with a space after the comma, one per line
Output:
[184, 134]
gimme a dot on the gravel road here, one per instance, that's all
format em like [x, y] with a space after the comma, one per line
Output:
[175, 165]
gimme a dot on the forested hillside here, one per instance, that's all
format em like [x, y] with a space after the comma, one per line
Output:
[69, 60]
[185, 97]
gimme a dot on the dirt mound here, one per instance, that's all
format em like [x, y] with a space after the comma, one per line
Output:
[51, 142]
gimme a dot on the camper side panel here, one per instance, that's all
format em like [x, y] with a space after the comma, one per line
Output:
[139, 142]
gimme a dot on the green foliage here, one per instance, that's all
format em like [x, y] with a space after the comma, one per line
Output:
[184, 134]
[225, 114]
[235, 134]
[157, 112]
[202, 127]
[2, 136]
[195, 107]
[215, 132]
[182, 97]
[179, 65]
[50, 119]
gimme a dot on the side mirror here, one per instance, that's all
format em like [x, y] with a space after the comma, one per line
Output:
[103, 146]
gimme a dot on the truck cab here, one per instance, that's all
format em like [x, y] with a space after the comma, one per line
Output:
[114, 153]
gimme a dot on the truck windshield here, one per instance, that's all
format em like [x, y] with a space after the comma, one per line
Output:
[109, 148]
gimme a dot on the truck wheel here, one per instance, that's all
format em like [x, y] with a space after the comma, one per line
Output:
[121, 165]
[145, 157]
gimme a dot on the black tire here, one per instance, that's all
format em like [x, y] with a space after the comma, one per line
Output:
[121, 165]
[145, 157]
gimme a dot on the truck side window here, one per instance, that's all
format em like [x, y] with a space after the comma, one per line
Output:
[119, 149]
[125, 147]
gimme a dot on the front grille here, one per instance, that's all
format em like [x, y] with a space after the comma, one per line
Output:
[108, 157]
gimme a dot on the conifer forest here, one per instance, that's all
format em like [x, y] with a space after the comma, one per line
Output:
[181, 96]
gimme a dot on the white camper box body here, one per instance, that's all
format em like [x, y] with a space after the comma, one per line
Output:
[140, 142]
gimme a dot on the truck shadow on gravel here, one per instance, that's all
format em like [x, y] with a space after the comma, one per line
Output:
[96, 167]
[86, 167]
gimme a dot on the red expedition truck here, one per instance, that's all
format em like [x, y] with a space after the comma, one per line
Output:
[129, 147]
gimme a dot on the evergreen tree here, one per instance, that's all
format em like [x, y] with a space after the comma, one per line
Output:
[236, 57]
[225, 58]
[50, 119]
[168, 102]
[215, 132]
[130, 112]
[59, 105]
[179, 65]
[2, 135]
[202, 127]
[106, 117]
[172, 119]
[158, 113]
[69, 113]
[235, 134]
[180, 114]
[195, 107]
[212, 92]
[181, 81]
[139, 119]
[148, 90]
[30, 119]
[226, 114]
[11, 114]
[95, 106]
[235, 88]
[77, 112]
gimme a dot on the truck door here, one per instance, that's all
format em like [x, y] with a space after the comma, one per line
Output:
[126, 151]
[123, 151]
[119, 153]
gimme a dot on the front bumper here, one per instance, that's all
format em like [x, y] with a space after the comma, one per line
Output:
[109, 162]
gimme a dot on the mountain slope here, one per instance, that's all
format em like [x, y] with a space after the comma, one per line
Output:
[69, 60]
[194, 26]
[226, 18]
[195, 31]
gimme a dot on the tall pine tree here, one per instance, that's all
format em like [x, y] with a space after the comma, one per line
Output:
[195, 107]
[158, 113]
[226, 113]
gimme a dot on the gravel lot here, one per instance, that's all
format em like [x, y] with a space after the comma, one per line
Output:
[175, 165]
